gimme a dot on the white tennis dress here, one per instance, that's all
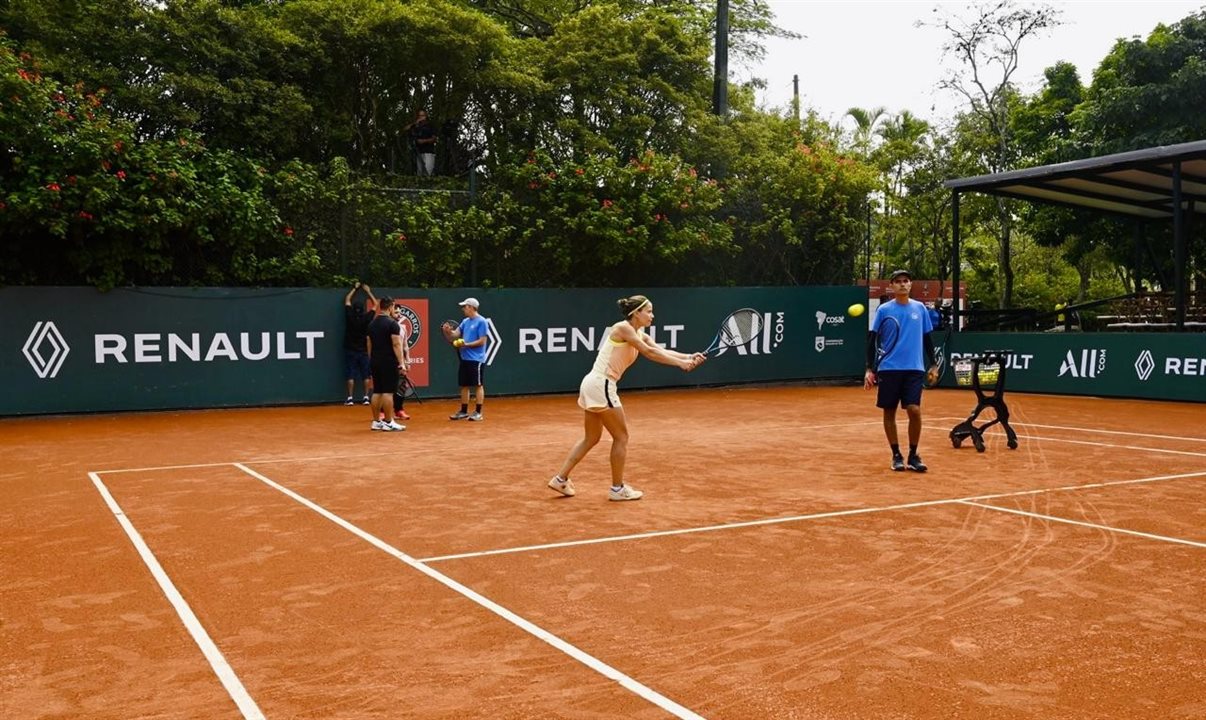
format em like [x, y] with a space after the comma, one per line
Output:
[598, 390]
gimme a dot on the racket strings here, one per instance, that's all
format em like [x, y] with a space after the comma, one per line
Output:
[741, 327]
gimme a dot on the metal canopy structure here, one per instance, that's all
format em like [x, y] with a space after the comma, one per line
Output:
[1159, 183]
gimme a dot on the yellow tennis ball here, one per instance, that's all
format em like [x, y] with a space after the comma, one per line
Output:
[856, 309]
[458, 342]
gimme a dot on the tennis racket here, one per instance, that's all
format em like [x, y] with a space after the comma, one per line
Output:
[885, 339]
[454, 325]
[406, 389]
[943, 352]
[739, 328]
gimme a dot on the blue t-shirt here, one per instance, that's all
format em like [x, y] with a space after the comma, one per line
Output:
[471, 329]
[907, 353]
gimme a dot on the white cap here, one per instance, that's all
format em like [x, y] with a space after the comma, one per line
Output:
[471, 302]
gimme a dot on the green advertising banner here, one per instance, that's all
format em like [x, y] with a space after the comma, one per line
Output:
[81, 350]
[1161, 366]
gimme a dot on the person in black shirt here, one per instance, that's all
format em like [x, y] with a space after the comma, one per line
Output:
[423, 137]
[387, 361]
[355, 351]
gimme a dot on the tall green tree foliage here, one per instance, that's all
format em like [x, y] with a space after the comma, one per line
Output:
[120, 209]
[986, 43]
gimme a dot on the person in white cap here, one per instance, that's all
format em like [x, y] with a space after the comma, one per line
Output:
[470, 338]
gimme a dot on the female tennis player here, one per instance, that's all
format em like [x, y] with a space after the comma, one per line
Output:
[599, 398]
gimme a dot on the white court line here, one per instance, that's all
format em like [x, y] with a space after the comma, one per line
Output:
[581, 656]
[1110, 432]
[320, 458]
[1091, 430]
[798, 518]
[1069, 521]
[410, 451]
[1090, 442]
[230, 681]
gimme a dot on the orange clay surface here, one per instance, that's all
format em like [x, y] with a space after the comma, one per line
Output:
[776, 567]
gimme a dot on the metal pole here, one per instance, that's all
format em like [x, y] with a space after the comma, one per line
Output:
[720, 88]
[795, 97]
[958, 311]
[1178, 248]
[867, 274]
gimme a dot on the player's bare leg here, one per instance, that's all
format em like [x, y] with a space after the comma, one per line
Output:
[592, 432]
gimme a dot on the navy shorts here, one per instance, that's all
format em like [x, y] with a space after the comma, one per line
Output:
[899, 388]
[471, 373]
[356, 364]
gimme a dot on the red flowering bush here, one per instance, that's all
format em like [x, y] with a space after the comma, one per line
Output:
[84, 197]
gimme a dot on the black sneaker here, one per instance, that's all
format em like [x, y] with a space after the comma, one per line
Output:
[898, 462]
[916, 465]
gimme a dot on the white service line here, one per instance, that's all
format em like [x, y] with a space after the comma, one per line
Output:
[1069, 521]
[1091, 442]
[1109, 432]
[581, 656]
[813, 516]
[688, 531]
[230, 681]
[410, 451]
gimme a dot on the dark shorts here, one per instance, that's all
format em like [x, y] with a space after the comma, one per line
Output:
[471, 373]
[899, 388]
[356, 364]
[385, 379]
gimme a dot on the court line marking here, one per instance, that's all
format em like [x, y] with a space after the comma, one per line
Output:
[319, 458]
[581, 656]
[226, 674]
[1070, 521]
[1096, 430]
[1166, 451]
[407, 451]
[799, 518]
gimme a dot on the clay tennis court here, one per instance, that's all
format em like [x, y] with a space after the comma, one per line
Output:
[304, 567]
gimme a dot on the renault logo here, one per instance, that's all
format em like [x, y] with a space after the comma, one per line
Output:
[45, 333]
[1144, 365]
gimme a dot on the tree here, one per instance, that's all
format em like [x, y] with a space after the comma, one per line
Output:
[987, 47]
[1148, 93]
[865, 122]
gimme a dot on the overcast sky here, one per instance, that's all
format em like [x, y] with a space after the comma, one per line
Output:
[867, 53]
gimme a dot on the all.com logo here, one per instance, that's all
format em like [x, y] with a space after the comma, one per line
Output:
[45, 333]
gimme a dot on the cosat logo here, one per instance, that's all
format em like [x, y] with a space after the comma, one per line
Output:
[1091, 363]
[823, 319]
[1144, 365]
[45, 332]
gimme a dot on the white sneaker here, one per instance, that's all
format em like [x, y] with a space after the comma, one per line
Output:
[565, 487]
[476, 417]
[626, 492]
[377, 425]
[392, 426]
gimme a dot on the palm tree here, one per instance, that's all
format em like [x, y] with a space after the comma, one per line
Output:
[865, 120]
